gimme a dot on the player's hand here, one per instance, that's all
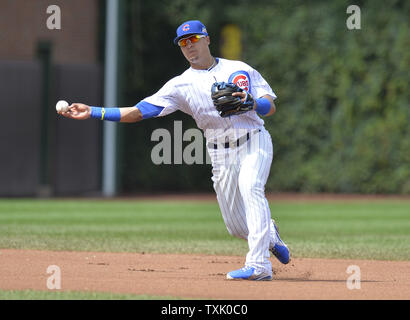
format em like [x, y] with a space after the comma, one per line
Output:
[243, 97]
[78, 111]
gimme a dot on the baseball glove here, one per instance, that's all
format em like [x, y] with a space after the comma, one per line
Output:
[227, 104]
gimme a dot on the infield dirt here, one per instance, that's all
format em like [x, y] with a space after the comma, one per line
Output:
[202, 276]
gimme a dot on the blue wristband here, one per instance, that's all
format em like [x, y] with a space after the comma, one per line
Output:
[262, 106]
[110, 114]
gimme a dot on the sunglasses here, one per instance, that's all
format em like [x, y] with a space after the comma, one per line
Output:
[192, 39]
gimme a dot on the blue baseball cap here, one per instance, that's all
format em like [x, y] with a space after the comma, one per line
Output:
[190, 27]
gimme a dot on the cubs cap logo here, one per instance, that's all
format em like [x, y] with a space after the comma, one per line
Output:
[241, 79]
[190, 27]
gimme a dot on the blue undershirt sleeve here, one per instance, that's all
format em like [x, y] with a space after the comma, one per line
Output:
[148, 110]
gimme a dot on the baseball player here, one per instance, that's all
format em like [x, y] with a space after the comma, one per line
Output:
[227, 100]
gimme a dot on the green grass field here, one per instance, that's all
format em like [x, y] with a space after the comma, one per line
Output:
[360, 230]
[74, 295]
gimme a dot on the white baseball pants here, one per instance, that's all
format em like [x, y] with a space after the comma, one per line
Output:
[239, 177]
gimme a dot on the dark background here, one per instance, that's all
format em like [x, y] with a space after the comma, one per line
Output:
[342, 121]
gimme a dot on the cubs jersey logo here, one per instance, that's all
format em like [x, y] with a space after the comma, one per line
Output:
[241, 79]
[185, 27]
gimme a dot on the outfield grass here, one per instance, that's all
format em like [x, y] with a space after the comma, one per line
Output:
[363, 230]
[74, 295]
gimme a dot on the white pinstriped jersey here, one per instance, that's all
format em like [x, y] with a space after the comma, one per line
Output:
[190, 92]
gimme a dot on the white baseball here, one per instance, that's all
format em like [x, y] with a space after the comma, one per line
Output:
[62, 105]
